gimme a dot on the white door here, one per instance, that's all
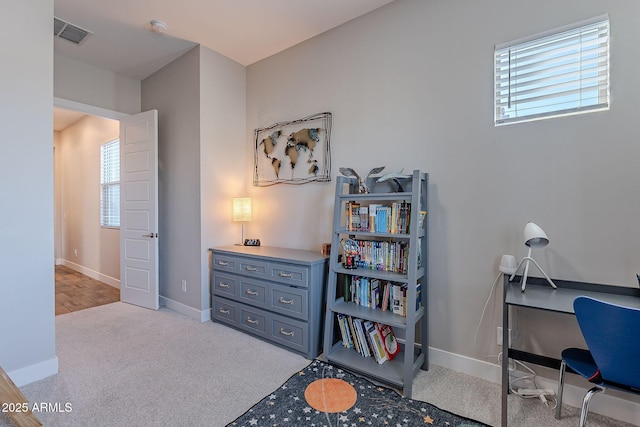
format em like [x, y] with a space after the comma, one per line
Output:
[139, 210]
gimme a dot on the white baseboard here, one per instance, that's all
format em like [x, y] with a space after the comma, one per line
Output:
[112, 281]
[604, 404]
[190, 312]
[34, 372]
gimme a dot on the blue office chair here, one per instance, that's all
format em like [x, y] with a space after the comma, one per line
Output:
[612, 361]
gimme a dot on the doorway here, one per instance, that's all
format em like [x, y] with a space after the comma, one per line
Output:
[127, 259]
[87, 256]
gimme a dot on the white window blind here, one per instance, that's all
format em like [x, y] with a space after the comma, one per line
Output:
[558, 73]
[110, 184]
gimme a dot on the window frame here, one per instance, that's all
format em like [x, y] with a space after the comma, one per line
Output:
[108, 183]
[505, 69]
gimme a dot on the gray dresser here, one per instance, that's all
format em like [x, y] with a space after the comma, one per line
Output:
[276, 294]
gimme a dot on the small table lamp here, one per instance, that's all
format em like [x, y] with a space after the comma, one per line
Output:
[534, 237]
[242, 211]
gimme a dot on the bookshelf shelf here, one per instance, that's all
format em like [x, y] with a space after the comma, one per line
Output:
[390, 373]
[402, 267]
[377, 315]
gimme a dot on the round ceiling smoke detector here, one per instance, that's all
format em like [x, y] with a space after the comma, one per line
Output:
[158, 26]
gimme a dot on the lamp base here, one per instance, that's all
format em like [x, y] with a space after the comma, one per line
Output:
[525, 261]
[252, 242]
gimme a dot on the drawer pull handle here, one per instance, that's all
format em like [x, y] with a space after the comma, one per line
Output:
[252, 321]
[223, 311]
[223, 263]
[286, 301]
[288, 275]
[251, 268]
[252, 293]
[223, 285]
[287, 333]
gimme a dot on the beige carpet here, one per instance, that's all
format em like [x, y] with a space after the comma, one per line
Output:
[121, 365]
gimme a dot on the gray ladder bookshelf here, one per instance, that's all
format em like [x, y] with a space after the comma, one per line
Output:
[411, 330]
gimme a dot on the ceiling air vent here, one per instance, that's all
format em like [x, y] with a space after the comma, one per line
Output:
[68, 31]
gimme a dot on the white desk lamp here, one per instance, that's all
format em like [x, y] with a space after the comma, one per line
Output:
[534, 237]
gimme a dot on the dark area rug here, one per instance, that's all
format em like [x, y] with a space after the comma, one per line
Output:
[324, 395]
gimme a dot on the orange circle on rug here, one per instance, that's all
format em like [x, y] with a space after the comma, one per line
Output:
[330, 395]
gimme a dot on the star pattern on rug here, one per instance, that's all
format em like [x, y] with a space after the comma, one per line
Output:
[297, 401]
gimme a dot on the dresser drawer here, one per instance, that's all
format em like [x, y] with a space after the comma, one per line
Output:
[225, 311]
[269, 296]
[289, 301]
[254, 320]
[224, 285]
[290, 333]
[225, 263]
[289, 274]
[253, 268]
[254, 293]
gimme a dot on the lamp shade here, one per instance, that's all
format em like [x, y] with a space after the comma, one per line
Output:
[242, 209]
[534, 236]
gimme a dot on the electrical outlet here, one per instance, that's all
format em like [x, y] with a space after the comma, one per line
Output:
[75, 253]
[499, 336]
[184, 286]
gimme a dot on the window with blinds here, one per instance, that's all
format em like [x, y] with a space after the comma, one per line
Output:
[558, 73]
[110, 184]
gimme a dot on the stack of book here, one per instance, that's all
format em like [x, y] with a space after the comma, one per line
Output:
[378, 218]
[382, 255]
[368, 338]
[376, 294]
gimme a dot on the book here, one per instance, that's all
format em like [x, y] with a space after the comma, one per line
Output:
[347, 287]
[352, 332]
[398, 305]
[394, 218]
[381, 219]
[418, 296]
[364, 218]
[376, 342]
[388, 340]
[373, 210]
[343, 332]
[423, 214]
[385, 298]
[375, 293]
[362, 339]
[354, 216]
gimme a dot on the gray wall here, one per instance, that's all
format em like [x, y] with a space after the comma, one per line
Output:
[90, 85]
[174, 92]
[27, 329]
[411, 86]
[200, 98]
[223, 155]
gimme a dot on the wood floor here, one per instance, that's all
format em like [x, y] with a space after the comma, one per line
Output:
[75, 291]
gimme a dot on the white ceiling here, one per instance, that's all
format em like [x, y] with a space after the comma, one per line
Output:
[244, 30]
